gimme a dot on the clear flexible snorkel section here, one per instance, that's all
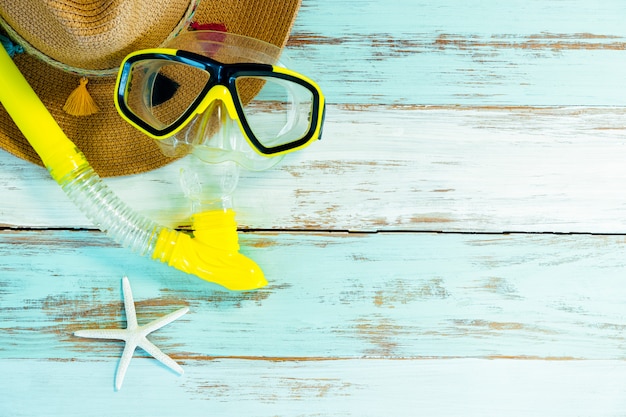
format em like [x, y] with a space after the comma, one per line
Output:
[211, 253]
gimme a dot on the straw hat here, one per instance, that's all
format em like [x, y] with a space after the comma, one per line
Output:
[68, 43]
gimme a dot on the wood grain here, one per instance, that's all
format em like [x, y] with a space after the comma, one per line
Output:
[470, 53]
[351, 324]
[331, 295]
[356, 387]
[396, 285]
[485, 169]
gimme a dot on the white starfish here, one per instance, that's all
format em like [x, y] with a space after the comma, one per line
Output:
[135, 335]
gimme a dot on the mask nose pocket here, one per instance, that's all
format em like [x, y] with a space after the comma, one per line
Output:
[216, 137]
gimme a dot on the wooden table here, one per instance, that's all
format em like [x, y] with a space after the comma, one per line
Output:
[455, 245]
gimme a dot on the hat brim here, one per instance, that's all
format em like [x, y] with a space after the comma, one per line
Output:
[111, 145]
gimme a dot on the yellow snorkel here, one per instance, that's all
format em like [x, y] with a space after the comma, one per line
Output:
[211, 253]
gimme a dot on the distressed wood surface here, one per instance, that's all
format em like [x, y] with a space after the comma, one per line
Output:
[397, 168]
[331, 295]
[350, 325]
[449, 124]
[487, 52]
[334, 388]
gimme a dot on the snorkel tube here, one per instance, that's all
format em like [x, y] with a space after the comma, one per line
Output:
[211, 253]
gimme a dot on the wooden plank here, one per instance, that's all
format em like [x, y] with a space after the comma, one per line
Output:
[331, 295]
[356, 387]
[485, 118]
[472, 53]
[395, 168]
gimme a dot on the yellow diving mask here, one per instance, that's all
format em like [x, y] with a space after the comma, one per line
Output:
[221, 97]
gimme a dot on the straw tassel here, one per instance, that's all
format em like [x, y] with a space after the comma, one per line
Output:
[79, 102]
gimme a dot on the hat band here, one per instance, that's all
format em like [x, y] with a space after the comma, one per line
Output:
[84, 72]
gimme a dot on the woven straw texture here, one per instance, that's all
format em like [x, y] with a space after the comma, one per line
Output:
[96, 35]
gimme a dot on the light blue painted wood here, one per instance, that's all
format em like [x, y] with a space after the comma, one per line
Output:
[458, 52]
[358, 387]
[369, 324]
[382, 168]
[330, 296]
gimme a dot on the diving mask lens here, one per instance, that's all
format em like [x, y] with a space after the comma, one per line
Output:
[162, 93]
[279, 114]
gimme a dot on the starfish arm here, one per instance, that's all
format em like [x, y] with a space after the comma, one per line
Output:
[113, 334]
[127, 355]
[135, 336]
[149, 347]
[162, 321]
[129, 305]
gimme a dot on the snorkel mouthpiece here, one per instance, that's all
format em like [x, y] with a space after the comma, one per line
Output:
[211, 253]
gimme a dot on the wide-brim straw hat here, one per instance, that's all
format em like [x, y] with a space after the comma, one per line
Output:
[69, 41]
